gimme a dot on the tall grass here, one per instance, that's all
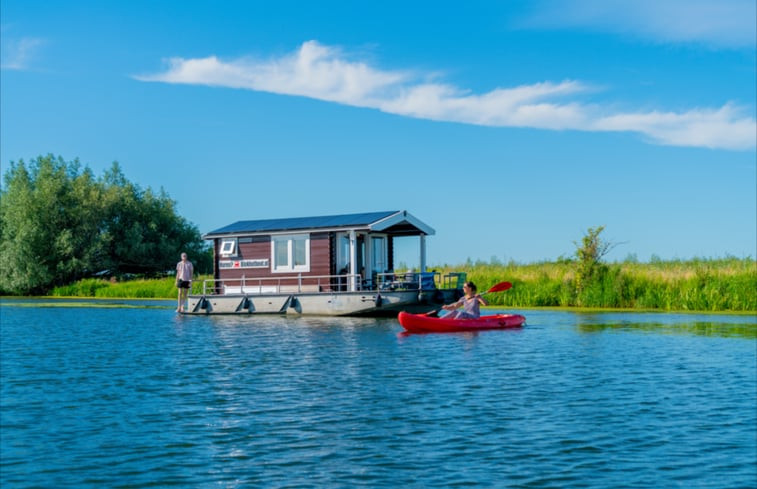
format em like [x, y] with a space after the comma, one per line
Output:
[728, 284]
[164, 288]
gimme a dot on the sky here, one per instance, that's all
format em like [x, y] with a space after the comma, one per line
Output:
[510, 127]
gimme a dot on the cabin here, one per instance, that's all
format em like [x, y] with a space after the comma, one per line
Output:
[347, 252]
[333, 265]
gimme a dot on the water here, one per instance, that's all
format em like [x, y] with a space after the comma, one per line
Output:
[133, 397]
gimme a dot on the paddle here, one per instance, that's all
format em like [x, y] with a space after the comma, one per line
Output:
[500, 287]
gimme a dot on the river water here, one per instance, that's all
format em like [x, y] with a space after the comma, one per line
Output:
[129, 395]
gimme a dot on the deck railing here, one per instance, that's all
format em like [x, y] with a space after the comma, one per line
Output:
[332, 283]
[277, 285]
[420, 280]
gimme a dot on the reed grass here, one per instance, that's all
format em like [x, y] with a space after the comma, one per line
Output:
[728, 284]
[162, 288]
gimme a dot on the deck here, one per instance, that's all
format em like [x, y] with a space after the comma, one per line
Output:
[330, 295]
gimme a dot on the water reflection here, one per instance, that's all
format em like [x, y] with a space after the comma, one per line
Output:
[743, 327]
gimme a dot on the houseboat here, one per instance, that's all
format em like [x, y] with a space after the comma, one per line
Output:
[341, 265]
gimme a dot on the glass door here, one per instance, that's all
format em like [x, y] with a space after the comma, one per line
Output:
[379, 256]
[342, 254]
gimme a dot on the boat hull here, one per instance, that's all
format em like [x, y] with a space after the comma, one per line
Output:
[365, 303]
[422, 323]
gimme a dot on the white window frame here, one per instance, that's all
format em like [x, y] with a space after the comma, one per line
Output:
[228, 241]
[290, 267]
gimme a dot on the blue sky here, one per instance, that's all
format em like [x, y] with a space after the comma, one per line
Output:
[509, 127]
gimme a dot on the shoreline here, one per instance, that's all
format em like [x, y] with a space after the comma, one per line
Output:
[53, 299]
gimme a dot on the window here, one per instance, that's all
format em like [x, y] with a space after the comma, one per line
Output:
[290, 253]
[378, 249]
[299, 252]
[229, 247]
[281, 253]
[343, 254]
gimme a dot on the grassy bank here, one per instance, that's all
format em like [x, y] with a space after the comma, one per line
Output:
[164, 288]
[692, 285]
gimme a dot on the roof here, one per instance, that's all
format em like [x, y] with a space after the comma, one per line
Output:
[392, 222]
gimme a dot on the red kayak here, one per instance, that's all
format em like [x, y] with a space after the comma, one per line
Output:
[423, 323]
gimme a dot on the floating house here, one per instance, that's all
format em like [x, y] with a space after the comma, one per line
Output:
[326, 265]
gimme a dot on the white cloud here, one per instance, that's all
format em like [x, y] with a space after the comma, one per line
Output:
[710, 128]
[17, 54]
[522, 106]
[718, 23]
[324, 73]
[314, 71]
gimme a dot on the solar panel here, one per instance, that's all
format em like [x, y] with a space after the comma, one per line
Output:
[302, 223]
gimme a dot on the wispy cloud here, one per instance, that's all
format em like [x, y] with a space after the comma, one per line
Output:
[17, 54]
[718, 23]
[314, 71]
[325, 73]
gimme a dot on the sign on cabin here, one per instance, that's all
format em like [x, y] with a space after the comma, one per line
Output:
[260, 263]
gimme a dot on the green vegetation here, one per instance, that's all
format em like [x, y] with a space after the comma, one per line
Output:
[589, 266]
[59, 224]
[728, 284]
[163, 288]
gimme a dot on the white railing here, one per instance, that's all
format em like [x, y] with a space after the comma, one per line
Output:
[280, 285]
[332, 283]
[420, 280]
[407, 280]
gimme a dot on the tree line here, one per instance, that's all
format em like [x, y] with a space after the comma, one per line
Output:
[59, 223]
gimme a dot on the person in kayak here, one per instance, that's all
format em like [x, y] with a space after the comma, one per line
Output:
[470, 303]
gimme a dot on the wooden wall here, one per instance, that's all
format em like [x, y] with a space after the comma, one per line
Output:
[259, 247]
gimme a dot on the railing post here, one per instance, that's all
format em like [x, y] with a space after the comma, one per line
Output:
[353, 261]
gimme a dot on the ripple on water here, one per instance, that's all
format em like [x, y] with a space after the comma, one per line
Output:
[134, 397]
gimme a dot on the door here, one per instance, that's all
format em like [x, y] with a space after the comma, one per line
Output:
[379, 255]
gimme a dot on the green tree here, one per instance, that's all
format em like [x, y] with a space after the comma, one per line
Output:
[47, 224]
[589, 254]
[19, 262]
[142, 233]
[59, 224]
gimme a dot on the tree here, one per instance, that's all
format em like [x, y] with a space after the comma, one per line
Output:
[19, 264]
[47, 224]
[58, 224]
[589, 254]
[142, 233]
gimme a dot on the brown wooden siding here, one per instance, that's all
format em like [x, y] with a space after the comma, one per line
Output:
[260, 248]
[320, 254]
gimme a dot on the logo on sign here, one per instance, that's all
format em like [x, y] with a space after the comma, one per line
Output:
[261, 263]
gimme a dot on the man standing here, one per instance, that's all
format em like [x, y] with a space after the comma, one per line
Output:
[184, 272]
